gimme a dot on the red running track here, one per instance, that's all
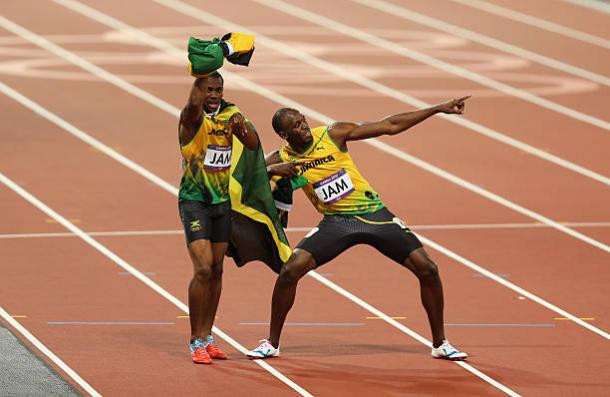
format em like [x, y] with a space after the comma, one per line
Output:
[51, 278]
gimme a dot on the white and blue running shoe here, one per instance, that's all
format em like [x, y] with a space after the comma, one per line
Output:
[264, 350]
[448, 352]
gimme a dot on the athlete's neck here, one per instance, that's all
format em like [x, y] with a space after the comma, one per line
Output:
[300, 146]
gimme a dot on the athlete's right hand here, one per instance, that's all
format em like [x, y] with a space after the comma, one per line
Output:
[453, 106]
[283, 169]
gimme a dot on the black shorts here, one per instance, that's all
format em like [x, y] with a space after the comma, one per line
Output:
[381, 229]
[205, 222]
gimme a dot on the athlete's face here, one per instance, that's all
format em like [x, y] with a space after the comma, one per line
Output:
[297, 128]
[212, 89]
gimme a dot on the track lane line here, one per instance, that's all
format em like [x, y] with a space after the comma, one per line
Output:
[316, 62]
[140, 276]
[379, 42]
[165, 46]
[500, 280]
[592, 5]
[312, 113]
[457, 226]
[377, 87]
[146, 280]
[536, 22]
[403, 328]
[222, 23]
[64, 222]
[480, 38]
[47, 352]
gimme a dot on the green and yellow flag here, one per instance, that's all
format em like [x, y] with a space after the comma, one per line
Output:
[256, 230]
[206, 56]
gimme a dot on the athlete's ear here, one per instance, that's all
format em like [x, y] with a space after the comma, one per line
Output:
[282, 134]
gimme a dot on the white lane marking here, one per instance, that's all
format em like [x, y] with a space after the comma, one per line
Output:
[170, 49]
[510, 285]
[220, 22]
[477, 37]
[252, 86]
[39, 64]
[45, 350]
[418, 56]
[403, 328]
[480, 374]
[456, 226]
[591, 4]
[382, 89]
[138, 274]
[118, 233]
[536, 22]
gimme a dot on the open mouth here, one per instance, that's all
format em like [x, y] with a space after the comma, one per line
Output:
[213, 105]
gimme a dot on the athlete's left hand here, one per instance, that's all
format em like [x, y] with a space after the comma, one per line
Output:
[237, 125]
[453, 106]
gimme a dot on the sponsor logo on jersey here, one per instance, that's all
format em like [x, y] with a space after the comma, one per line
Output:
[315, 163]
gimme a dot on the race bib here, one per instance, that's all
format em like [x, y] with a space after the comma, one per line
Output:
[334, 188]
[217, 158]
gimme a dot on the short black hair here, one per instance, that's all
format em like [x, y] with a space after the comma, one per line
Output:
[279, 119]
[213, 75]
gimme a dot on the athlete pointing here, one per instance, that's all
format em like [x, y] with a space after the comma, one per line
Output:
[353, 213]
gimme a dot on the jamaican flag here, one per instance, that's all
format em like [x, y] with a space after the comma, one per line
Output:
[206, 56]
[256, 231]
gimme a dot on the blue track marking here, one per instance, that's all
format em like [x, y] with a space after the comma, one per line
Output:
[108, 323]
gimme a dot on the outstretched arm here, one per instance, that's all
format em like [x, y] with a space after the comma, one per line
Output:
[191, 113]
[343, 132]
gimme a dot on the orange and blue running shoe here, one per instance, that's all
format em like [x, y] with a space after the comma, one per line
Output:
[199, 352]
[213, 349]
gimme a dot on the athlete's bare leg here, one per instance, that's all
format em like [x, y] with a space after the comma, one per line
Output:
[431, 290]
[285, 290]
[205, 286]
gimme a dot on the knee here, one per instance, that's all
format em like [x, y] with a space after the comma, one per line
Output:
[216, 271]
[292, 271]
[426, 270]
[203, 274]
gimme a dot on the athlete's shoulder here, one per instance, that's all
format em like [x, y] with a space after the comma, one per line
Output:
[318, 131]
[286, 151]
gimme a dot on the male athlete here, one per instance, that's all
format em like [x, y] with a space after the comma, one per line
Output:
[353, 214]
[206, 130]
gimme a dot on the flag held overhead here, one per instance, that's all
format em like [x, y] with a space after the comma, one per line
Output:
[207, 56]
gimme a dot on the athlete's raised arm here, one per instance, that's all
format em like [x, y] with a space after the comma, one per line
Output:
[190, 116]
[392, 125]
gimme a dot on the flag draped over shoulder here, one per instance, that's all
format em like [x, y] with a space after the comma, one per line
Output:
[256, 230]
